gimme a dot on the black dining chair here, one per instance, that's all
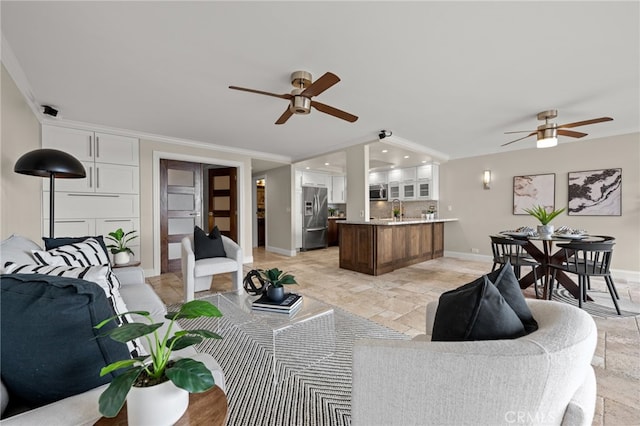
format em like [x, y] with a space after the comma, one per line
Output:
[586, 260]
[507, 249]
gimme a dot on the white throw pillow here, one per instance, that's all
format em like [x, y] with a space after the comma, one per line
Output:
[97, 274]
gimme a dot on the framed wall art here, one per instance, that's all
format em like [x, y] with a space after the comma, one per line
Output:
[534, 190]
[595, 193]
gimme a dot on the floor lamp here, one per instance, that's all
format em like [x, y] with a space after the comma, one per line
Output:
[53, 164]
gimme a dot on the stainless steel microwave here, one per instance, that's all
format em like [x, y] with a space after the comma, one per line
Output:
[378, 192]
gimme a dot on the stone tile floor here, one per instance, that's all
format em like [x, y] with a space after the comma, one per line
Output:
[398, 300]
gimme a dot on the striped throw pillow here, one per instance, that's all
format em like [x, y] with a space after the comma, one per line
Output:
[98, 274]
[86, 253]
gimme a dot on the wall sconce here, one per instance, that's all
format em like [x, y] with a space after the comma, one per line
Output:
[486, 179]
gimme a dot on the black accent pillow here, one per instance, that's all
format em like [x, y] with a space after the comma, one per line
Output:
[52, 243]
[207, 246]
[507, 284]
[49, 349]
[475, 311]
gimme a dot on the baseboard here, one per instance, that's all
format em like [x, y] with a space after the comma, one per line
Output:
[281, 251]
[632, 277]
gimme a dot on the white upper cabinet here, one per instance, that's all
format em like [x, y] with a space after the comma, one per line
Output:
[377, 178]
[395, 175]
[92, 146]
[338, 193]
[424, 172]
[427, 182]
[408, 174]
[316, 179]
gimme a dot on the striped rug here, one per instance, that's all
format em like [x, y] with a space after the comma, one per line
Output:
[601, 306]
[317, 395]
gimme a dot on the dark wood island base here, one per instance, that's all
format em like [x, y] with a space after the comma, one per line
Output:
[379, 247]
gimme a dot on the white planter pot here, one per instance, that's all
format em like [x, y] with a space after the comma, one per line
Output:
[159, 405]
[545, 230]
[121, 258]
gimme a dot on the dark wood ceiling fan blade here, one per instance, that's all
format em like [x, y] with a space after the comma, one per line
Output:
[524, 137]
[260, 92]
[571, 133]
[320, 85]
[518, 131]
[334, 111]
[285, 116]
[585, 122]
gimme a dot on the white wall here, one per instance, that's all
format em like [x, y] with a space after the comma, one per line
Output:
[20, 195]
[483, 212]
[279, 195]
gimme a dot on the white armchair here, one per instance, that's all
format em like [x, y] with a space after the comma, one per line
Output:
[542, 378]
[197, 274]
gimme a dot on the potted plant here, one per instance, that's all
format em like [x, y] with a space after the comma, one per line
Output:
[157, 387]
[276, 280]
[332, 211]
[119, 247]
[544, 217]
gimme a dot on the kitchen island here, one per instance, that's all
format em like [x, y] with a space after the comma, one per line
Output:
[382, 246]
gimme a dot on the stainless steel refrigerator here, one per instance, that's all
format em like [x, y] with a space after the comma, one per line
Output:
[314, 218]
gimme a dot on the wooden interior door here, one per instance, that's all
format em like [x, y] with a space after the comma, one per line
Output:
[223, 210]
[180, 208]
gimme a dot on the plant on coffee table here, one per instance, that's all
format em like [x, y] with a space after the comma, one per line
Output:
[276, 279]
[188, 374]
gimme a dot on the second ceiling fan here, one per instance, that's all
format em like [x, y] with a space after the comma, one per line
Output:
[300, 101]
[547, 133]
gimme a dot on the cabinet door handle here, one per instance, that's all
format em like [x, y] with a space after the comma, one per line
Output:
[90, 137]
[114, 220]
[97, 175]
[90, 176]
[94, 195]
[69, 221]
[97, 146]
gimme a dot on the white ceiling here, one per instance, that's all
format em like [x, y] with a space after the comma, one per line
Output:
[448, 78]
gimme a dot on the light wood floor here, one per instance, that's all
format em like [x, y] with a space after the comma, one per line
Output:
[398, 300]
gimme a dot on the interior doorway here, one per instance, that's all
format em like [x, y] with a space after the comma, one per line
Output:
[222, 201]
[261, 212]
[180, 208]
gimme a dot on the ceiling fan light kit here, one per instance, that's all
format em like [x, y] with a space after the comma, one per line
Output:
[300, 97]
[547, 133]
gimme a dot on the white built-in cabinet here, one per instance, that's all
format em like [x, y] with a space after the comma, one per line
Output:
[410, 183]
[338, 190]
[316, 179]
[108, 198]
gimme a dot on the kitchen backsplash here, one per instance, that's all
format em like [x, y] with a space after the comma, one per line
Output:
[382, 209]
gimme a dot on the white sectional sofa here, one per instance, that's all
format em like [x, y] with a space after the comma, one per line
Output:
[82, 409]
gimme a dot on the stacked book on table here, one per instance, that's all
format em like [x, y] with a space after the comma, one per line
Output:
[290, 304]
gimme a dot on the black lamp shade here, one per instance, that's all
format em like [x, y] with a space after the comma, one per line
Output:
[48, 162]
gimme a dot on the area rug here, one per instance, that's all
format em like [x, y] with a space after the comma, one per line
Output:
[317, 395]
[601, 306]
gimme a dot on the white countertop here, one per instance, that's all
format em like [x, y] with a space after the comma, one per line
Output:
[407, 221]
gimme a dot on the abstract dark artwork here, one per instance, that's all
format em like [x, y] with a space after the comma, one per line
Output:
[534, 190]
[595, 193]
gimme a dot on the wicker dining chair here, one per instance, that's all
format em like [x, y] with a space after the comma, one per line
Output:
[586, 260]
[507, 249]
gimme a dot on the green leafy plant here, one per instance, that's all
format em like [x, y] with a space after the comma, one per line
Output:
[120, 240]
[396, 212]
[332, 211]
[185, 373]
[542, 215]
[276, 277]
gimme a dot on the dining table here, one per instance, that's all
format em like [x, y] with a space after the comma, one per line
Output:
[545, 256]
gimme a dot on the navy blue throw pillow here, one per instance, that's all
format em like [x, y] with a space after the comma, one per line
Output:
[507, 284]
[49, 349]
[475, 311]
[207, 246]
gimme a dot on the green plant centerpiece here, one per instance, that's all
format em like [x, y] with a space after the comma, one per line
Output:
[185, 373]
[119, 240]
[545, 217]
[275, 280]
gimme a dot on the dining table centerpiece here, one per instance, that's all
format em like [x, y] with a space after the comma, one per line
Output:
[544, 216]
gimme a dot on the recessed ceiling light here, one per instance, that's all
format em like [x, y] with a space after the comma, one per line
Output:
[326, 164]
[424, 161]
[406, 156]
[307, 167]
[392, 167]
[384, 151]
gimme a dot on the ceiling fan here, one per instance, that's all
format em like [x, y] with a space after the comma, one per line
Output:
[300, 97]
[547, 133]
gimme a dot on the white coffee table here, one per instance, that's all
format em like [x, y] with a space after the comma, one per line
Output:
[297, 341]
